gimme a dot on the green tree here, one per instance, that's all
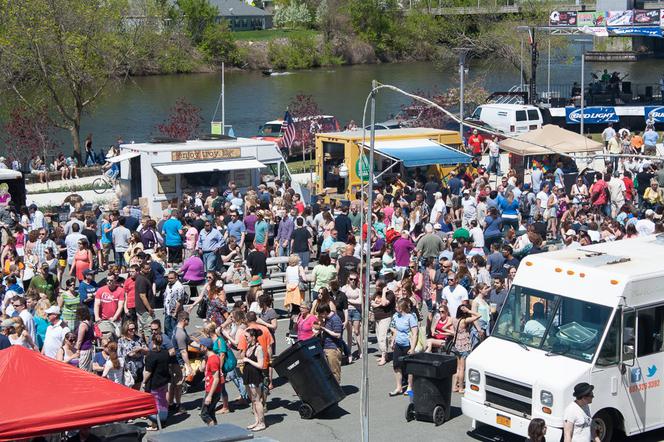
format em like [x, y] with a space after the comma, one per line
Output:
[63, 54]
[197, 15]
[378, 22]
[219, 46]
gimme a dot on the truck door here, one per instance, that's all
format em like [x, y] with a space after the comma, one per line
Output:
[645, 376]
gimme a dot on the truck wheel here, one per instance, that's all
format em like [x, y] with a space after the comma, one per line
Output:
[603, 422]
[438, 415]
[306, 411]
[410, 412]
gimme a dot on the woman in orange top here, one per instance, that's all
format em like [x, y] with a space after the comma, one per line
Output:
[82, 259]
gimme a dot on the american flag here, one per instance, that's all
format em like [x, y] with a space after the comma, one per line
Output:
[288, 129]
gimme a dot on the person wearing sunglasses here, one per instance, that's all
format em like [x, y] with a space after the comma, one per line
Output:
[577, 415]
[68, 353]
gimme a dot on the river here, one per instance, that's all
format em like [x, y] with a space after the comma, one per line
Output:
[133, 109]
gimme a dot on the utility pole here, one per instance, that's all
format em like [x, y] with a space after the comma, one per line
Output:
[532, 90]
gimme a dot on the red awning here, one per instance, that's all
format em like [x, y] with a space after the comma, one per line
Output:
[44, 396]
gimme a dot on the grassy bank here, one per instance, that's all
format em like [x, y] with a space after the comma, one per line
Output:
[274, 34]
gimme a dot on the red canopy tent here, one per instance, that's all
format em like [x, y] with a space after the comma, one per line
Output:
[42, 395]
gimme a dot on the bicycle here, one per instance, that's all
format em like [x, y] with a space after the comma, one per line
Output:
[103, 184]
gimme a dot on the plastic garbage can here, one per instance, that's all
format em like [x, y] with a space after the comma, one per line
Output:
[306, 369]
[432, 386]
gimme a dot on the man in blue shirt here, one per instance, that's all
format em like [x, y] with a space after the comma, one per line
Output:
[261, 236]
[87, 289]
[650, 139]
[236, 228]
[209, 241]
[4, 331]
[172, 231]
[331, 330]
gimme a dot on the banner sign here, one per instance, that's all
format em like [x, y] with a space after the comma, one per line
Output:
[563, 18]
[591, 115]
[591, 18]
[646, 17]
[619, 18]
[597, 31]
[642, 31]
[655, 113]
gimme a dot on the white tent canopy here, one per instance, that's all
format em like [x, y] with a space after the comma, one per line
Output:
[550, 139]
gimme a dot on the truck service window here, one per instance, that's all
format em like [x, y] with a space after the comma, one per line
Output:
[553, 323]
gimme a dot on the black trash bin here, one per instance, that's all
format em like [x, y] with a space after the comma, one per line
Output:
[305, 367]
[432, 386]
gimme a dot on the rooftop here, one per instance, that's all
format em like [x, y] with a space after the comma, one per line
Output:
[196, 144]
[229, 8]
[388, 133]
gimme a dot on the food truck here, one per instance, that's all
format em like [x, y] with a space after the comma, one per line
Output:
[155, 173]
[342, 162]
[590, 314]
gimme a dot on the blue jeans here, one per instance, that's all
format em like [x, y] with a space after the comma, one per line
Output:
[305, 257]
[170, 323]
[494, 165]
[210, 261]
[119, 259]
[239, 383]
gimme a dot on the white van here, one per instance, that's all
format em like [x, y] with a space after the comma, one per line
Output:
[510, 119]
[593, 314]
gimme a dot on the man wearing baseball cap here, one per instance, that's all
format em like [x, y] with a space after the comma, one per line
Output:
[577, 418]
[5, 326]
[55, 333]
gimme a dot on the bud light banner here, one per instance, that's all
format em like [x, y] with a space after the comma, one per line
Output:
[591, 115]
[655, 113]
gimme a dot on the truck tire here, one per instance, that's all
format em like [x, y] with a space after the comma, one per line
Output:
[604, 423]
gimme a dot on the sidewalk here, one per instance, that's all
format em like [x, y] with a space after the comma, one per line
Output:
[61, 189]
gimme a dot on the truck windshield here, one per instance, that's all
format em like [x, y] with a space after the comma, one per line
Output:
[553, 323]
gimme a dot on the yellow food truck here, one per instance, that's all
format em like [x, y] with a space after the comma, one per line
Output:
[342, 163]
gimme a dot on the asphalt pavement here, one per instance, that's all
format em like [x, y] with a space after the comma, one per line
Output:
[342, 423]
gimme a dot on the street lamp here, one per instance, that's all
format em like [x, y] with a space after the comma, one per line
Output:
[463, 52]
[583, 78]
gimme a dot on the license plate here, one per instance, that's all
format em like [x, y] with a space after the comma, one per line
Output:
[504, 420]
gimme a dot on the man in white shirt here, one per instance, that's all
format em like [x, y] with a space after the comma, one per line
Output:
[454, 294]
[542, 199]
[55, 333]
[536, 178]
[71, 241]
[477, 234]
[36, 218]
[438, 210]
[20, 305]
[469, 205]
[617, 191]
[646, 226]
[608, 134]
[577, 420]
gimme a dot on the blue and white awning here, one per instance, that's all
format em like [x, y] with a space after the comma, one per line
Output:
[420, 152]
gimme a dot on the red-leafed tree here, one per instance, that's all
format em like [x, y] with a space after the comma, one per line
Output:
[28, 133]
[183, 122]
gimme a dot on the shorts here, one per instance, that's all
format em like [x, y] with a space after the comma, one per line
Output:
[399, 352]
[354, 315]
[463, 354]
[143, 323]
[177, 374]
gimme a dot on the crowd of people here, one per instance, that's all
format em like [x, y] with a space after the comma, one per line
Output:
[443, 255]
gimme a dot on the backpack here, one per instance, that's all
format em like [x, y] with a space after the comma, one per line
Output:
[525, 204]
[230, 361]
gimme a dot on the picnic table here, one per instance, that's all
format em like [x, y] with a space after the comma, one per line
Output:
[276, 260]
[269, 285]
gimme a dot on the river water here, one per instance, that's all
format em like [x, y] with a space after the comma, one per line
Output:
[133, 109]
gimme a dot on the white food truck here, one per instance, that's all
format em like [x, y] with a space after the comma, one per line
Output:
[593, 314]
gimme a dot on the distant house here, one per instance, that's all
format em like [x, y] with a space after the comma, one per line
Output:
[242, 16]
